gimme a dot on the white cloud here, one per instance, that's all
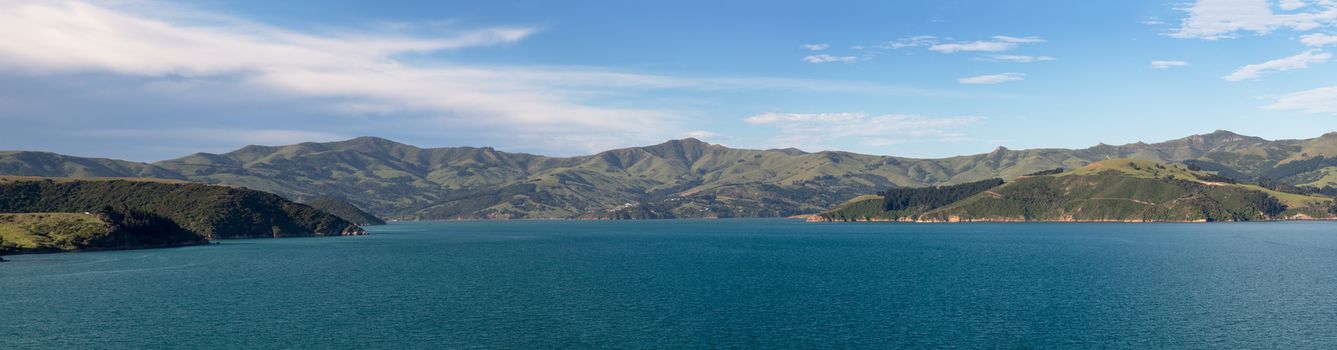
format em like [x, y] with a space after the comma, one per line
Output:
[1292, 5]
[986, 46]
[359, 72]
[992, 78]
[1223, 19]
[1318, 39]
[217, 135]
[1015, 58]
[914, 41]
[815, 47]
[1026, 40]
[700, 134]
[814, 131]
[824, 58]
[998, 44]
[1167, 64]
[1300, 61]
[1320, 100]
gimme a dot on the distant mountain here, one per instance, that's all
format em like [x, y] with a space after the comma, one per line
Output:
[55, 165]
[345, 211]
[211, 212]
[1111, 190]
[676, 179]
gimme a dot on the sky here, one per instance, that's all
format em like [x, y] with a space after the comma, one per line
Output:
[151, 80]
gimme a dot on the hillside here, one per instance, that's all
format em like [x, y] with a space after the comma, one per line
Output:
[345, 211]
[1111, 190]
[211, 212]
[45, 164]
[101, 230]
[678, 179]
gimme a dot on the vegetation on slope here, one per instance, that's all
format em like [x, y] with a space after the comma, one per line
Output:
[681, 178]
[926, 198]
[345, 211]
[55, 165]
[211, 212]
[106, 228]
[898, 203]
[1113, 190]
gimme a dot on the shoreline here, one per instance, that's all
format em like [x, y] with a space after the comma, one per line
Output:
[817, 220]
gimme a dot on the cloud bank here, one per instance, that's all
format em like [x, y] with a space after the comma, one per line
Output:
[1300, 61]
[992, 79]
[818, 131]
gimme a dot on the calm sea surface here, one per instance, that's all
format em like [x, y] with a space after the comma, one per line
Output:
[695, 284]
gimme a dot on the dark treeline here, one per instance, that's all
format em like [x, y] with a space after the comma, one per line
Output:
[1216, 178]
[1220, 170]
[209, 211]
[1054, 171]
[1293, 168]
[1288, 188]
[345, 210]
[925, 198]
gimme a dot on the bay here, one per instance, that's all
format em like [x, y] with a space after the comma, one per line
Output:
[695, 284]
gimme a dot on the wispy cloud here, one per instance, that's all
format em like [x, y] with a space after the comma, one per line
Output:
[1300, 61]
[825, 58]
[815, 131]
[1015, 58]
[1318, 39]
[701, 134]
[1320, 100]
[216, 135]
[1291, 5]
[815, 47]
[1222, 19]
[992, 78]
[358, 72]
[997, 44]
[914, 41]
[1167, 64]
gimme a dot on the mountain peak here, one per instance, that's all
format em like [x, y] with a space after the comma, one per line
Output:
[686, 141]
[1214, 138]
[688, 150]
[367, 143]
[368, 140]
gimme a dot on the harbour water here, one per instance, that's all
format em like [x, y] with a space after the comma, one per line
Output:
[695, 284]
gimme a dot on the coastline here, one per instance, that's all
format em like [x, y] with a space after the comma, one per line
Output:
[819, 219]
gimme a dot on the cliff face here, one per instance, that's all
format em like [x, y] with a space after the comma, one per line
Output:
[212, 212]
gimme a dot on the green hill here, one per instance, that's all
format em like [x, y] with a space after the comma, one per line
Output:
[1112, 190]
[211, 212]
[45, 164]
[676, 179]
[104, 229]
[345, 211]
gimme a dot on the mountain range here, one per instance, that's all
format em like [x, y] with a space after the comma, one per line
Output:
[677, 179]
[1110, 190]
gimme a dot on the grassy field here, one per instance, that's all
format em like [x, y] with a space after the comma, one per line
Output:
[48, 231]
[1152, 170]
[1111, 190]
[1329, 178]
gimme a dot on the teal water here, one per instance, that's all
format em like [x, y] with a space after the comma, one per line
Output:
[695, 284]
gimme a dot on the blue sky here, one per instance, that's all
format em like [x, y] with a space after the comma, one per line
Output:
[150, 80]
